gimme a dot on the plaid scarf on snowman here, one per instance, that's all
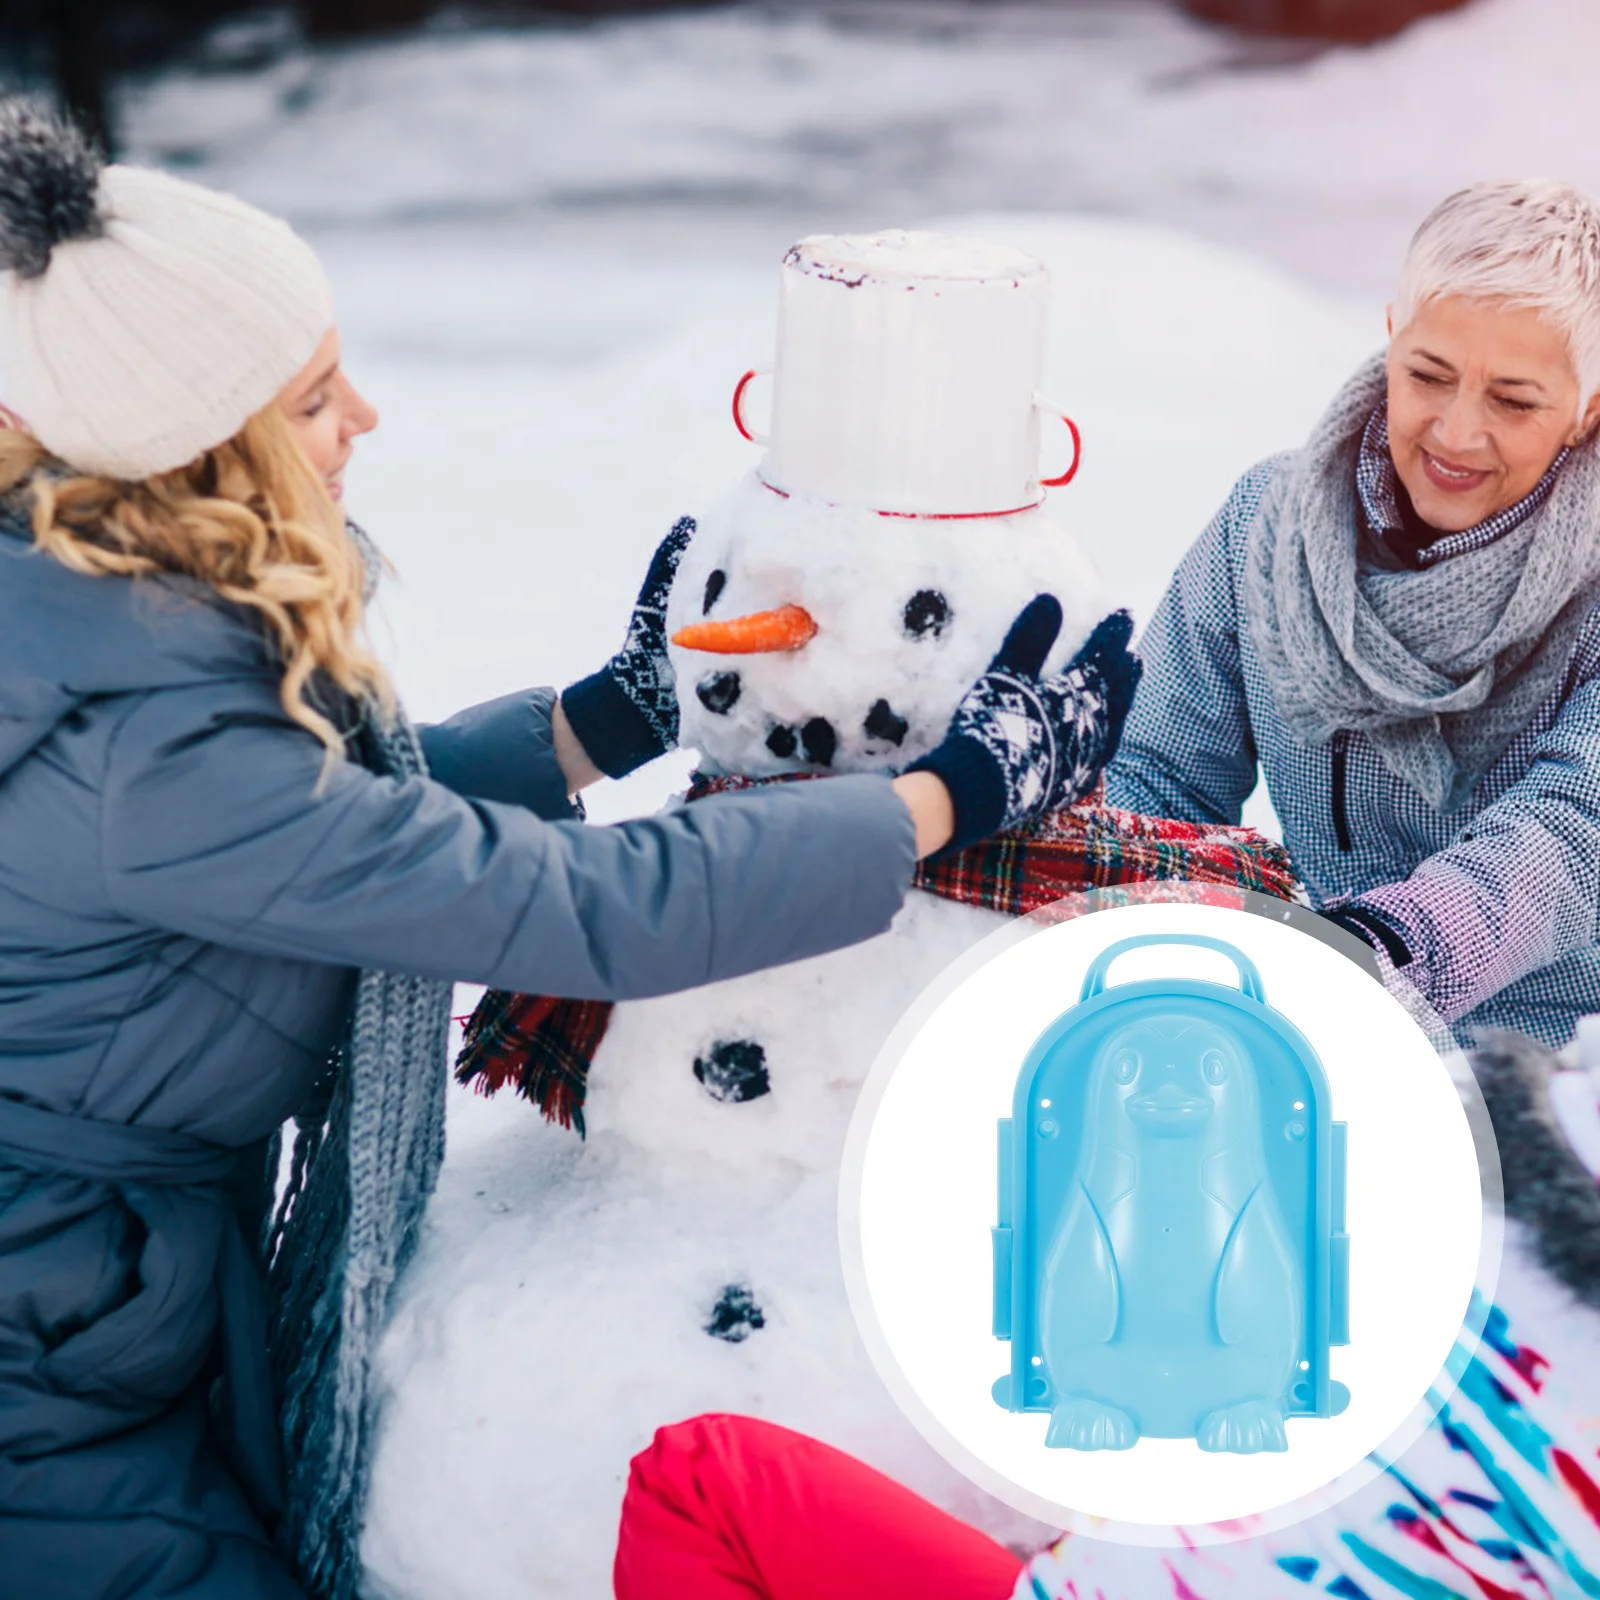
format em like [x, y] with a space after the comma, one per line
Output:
[544, 1045]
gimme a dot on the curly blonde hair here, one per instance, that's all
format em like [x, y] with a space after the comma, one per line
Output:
[252, 519]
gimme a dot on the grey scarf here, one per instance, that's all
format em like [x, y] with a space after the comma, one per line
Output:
[365, 1161]
[1441, 668]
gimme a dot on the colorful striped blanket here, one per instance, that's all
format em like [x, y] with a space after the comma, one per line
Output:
[1497, 1500]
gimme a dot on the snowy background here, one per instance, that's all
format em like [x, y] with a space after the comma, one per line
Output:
[555, 251]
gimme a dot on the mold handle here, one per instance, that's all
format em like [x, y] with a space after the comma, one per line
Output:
[1249, 977]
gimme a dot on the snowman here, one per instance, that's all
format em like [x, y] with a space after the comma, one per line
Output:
[683, 1257]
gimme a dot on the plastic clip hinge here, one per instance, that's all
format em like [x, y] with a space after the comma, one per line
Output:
[1002, 1236]
[1338, 1244]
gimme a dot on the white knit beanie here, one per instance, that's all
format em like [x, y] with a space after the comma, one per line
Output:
[143, 318]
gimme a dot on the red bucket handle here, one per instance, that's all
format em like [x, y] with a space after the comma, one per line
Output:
[1052, 409]
[745, 430]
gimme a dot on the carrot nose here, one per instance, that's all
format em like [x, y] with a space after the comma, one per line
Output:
[787, 628]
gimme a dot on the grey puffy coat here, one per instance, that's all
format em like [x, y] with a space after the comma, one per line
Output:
[181, 920]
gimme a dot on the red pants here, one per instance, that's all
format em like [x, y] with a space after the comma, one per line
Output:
[729, 1508]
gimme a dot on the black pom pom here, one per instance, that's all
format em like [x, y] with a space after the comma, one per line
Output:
[49, 172]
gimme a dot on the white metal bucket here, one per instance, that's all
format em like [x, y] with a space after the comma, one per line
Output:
[906, 377]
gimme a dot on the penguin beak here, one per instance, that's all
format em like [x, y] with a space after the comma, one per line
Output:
[1169, 1109]
[787, 628]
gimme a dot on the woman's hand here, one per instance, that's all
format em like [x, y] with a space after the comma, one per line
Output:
[1021, 745]
[627, 713]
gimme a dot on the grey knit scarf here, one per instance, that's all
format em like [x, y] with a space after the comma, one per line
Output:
[1441, 668]
[366, 1157]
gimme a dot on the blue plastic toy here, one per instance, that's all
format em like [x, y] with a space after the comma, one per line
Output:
[1171, 1260]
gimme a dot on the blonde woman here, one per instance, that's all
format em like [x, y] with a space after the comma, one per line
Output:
[235, 885]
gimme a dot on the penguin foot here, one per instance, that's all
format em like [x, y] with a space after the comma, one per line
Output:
[1246, 1428]
[1080, 1423]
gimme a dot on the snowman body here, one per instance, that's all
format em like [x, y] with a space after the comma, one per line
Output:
[684, 1258]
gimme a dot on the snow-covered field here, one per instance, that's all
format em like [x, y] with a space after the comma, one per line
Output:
[555, 251]
[807, 114]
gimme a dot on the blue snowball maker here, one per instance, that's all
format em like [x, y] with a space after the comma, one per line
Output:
[1171, 1260]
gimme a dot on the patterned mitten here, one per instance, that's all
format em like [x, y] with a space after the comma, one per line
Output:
[1020, 745]
[627, 713]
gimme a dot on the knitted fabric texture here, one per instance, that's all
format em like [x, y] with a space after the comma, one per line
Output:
[365, 1161]
[1496, 904]
[627, 713]
[48, 173]
[1021, 745]
[544, 1046]
[539, 1042]
[1440, 667]
[152, 328]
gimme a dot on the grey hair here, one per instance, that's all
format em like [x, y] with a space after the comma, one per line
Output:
[1530, 243]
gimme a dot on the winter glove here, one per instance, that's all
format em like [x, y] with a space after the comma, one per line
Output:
[1372, 928]
[1020, 745]
[627, 713]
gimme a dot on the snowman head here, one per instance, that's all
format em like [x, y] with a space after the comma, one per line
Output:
[815, 637]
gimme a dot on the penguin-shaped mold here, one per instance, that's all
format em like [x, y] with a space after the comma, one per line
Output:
[1171, 1241]
[1171, 1274]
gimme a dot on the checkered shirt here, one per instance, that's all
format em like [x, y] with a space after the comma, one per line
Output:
[1497, 903]
[1378, 484]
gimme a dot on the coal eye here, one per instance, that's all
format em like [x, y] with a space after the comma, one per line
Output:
[1215, 1066]
[714, 586]
[926, 613]
[1125, 1066]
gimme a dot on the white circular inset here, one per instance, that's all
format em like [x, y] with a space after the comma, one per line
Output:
[918, 1199]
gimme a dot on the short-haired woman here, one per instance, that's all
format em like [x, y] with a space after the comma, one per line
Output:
[212, 816]
[1398, 625]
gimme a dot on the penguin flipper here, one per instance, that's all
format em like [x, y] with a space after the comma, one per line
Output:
[1257, 1296]
[1081, 1296]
